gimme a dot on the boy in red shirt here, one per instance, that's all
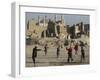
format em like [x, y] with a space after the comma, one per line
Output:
[69, 54]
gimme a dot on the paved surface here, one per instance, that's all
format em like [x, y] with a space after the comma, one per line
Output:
[51, 59]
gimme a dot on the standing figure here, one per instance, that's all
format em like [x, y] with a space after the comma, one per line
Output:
[58, 51]
[76, 48]
[82, 54]
[82, 51]
[69, 54]
[34, 53]
[45, 49]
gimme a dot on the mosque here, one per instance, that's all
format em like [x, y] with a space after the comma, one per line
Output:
[45, 28]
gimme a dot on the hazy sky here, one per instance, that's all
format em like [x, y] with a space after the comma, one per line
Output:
[69, 19]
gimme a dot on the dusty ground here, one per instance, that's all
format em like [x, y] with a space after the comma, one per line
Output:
[51, 59]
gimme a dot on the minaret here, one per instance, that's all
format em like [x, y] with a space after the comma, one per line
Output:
[62, 28]
[44, 25]
[55, 17]
[28, 25]
[62, 22]
[55, 26]
[39, 20]
[43, 21]
[82, 27]
[62, 19]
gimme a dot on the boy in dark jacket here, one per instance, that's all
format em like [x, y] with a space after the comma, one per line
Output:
[34, 53]
[58, 51]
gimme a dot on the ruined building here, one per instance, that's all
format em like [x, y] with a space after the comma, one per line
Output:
[79, 29]
[46, 28]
